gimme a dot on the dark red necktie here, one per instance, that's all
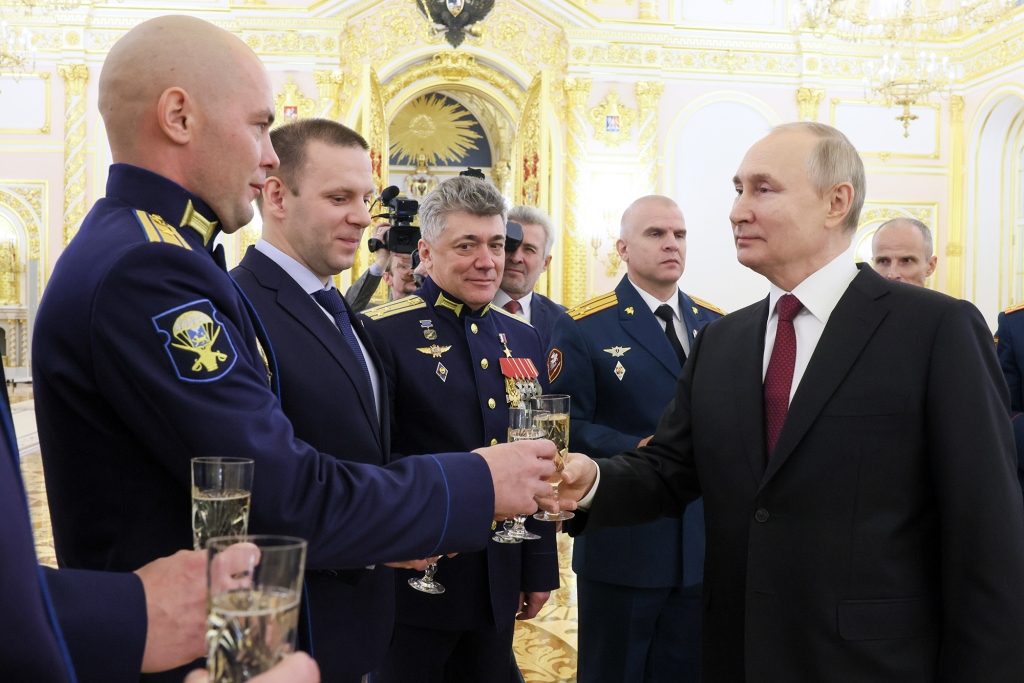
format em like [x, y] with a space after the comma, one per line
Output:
[779, 379]
[512, 306]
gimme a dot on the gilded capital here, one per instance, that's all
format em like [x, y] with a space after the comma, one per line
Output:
[648, 93]
[75, 77]
[577, 90]
[956, 109]
[807, 101]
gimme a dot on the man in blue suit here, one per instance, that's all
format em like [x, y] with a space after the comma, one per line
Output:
[523, 267]
[618, 356]
[147, 354]
[313, 216]
[454, 364]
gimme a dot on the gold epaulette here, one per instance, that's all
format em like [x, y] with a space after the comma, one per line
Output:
[598, 303]
[156, 229]
[705, 304]
[1014, 309]
[406, 303]
[499, 309]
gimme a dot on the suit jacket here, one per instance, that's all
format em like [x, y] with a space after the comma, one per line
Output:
[446, 391]
[544, 313]
[884, 541]
[66, 625]
[358, 295]
[1010, 347]
[612, 357]
[324, 394]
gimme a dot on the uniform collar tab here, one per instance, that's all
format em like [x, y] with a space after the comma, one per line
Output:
[195, 220]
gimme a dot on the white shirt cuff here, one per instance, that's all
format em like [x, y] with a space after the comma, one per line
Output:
[376, 270]
[588, 499]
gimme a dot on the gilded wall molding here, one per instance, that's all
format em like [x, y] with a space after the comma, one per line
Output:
[807, 101]
[454, 67]
[75, 76]
[612, 120]
[957, 200]
[291, 104]
[328, 84]
[28, 201]
[648, 94]
[574, 246]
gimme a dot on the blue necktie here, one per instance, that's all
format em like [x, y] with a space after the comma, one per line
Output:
[331, 301]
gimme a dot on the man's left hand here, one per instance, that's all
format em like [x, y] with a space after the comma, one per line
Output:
[530, 604]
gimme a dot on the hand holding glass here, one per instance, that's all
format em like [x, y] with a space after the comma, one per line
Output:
[520, 428]
[551, 415]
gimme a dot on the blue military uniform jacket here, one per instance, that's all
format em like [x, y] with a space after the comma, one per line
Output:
[544, 313]
[1010, 348]
[612, 357]
[146, 354]
[59, 626]
[447, 392]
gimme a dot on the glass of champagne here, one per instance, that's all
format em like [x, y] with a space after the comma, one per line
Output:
[520, 428]
[426, 583]
[254, 586]
[551, 416]
[221, 492]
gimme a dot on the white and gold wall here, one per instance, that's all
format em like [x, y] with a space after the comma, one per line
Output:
[692, 83]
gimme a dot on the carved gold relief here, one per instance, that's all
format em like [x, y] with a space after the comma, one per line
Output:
[730, 61]
[574, 249]
[328, 85]
[528, 147]
[957, 204]
[612, 120]
[291, 105]
[28, 201]
[446, 66]
[75, 78]
[807, 101]
[648, 93]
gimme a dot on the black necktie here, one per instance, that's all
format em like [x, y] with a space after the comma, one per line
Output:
[665, 313]
[330, 300]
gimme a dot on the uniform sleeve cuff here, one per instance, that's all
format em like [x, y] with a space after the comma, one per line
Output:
[470, 490]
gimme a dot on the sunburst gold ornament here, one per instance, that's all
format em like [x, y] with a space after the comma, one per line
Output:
[432, 126]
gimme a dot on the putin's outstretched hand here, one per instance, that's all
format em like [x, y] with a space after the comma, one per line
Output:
[296, 668]
[578, 478]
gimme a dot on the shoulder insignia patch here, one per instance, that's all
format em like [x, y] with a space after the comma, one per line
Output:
[156, 229]
[499, 309]
[596, 304]
[554, 364]
[194, 338]
[705, 304]
[1014, 309]
[406, 303]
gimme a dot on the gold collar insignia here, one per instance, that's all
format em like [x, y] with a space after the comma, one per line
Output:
[445, 302]
[197, 222]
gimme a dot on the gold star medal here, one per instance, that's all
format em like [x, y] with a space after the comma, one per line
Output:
[520, 376]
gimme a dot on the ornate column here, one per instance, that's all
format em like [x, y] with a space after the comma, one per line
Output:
[328, 85]
[807, 101]
[574, 250]
[649, 10]
[957, 190]
[75, 76]
[647, 95]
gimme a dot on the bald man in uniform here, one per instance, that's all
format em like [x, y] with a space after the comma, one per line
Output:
[146, 353]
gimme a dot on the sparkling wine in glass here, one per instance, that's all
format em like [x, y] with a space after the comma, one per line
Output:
[520, 428]
[221, 493]
[551, 415]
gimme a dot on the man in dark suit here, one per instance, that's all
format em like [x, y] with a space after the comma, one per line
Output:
[523, 267]
[618, 356]
[332, 396]
[849, 437]
[1010, 348]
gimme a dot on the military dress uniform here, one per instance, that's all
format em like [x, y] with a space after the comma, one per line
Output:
[1010, 348]
[443, 364]
[146, 354]
[639, 587]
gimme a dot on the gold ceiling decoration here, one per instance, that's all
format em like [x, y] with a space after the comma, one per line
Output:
[292, 105]
[612, 120]
[432, 126]
[899, 21]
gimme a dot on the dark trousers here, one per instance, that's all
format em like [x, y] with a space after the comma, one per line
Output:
[638, 635]
[426, 655]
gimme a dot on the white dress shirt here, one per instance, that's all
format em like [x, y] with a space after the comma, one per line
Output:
[310, 283]
[677, 317]
[819, 293]
[502, 298]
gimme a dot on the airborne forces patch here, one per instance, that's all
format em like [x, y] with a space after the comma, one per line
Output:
[199, 348]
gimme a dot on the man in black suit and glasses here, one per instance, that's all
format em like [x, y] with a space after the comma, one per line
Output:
[849, 437]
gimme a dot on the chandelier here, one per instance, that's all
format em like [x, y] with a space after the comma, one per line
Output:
[906, 82]
[899, 21]
[17, 53]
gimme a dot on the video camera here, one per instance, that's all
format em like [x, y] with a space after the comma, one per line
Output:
[402, 237]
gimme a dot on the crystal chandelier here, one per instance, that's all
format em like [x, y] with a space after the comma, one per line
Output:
[899, 21]
[17, 53]
[906, 82]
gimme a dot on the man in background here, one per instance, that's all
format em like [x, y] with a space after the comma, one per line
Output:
[901, 250]
[619, 356]
[398, 276]
[523, 267]
[360, 292]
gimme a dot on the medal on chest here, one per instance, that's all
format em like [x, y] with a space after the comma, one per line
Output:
[520, 376]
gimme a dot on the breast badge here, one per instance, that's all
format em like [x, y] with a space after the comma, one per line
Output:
[199, 349]
[554, 364]
[618, 351]
[520, 376]
[442, 372]
[620, 371]
[428, 330]
[434, 350]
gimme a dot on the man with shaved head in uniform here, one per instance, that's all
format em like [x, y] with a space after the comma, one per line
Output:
[146, 353]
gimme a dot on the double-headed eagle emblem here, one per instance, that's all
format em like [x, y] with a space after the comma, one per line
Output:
[455, 18]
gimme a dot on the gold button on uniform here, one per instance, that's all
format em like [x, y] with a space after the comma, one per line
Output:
[490, 403]
[494, 442]
[484, 363]
[473, 328]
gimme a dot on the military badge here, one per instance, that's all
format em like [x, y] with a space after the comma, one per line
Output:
[618, 351]
[195, 340]
[694, 309]
[620, 371]
[434, 350]
[428, 330]
[629, 310]
[520, 376]
[442, 372]
[554, 364]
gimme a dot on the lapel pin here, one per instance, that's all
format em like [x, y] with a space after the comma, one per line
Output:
[629, 310]
[694, 308]
[620, 371]
[618, 351]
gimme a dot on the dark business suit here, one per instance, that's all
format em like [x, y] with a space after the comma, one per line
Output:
[325, 395]
[1010, 347]
[59, 626]
[884, 540]
[639, 586]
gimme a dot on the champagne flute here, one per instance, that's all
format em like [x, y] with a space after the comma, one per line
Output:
[221, 493]
[254, 588]
[426, 583]
[551, 415]
[520, 428]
